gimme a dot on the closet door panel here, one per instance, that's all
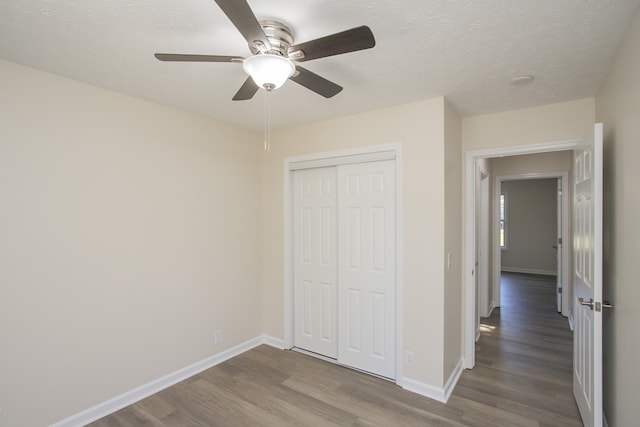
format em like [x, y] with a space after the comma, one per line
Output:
[315, 258]
[366, 268]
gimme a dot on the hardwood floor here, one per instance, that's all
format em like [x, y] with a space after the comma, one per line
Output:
[522, 378]
[524, 357]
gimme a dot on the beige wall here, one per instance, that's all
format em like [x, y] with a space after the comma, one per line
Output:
[618, 107]
[557, 161]
[419, 128]
[129, 231]
[453, 242]
[548, 123]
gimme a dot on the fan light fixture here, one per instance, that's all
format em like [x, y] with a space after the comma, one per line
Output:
[268, 71]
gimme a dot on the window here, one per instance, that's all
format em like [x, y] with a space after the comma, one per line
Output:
[503, 221]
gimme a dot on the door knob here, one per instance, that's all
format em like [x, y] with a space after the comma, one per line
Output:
[606, 304]
[587, 303]
[599, 306]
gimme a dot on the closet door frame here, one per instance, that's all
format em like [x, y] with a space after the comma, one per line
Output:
[336, 158]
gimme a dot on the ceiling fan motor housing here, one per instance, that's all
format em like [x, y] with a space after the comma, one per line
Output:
[280, 37]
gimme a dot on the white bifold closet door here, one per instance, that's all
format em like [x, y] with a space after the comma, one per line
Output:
[344, 264]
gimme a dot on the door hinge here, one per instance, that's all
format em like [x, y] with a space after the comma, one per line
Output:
[559, 290]
[560, 241]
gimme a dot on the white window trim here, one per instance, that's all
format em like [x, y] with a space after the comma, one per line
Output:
[506, 222]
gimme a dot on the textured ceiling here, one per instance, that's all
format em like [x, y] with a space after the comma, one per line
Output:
[465, 50]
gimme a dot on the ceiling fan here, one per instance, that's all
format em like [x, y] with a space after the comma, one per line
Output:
[274, 53]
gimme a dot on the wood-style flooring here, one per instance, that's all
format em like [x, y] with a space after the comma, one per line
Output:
[522, 378]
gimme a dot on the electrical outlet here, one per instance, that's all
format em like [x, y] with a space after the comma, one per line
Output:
[449, 260]
[411, 358]
[218, 336]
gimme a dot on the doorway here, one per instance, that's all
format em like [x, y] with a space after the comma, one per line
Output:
[559, 226]
[471, 233]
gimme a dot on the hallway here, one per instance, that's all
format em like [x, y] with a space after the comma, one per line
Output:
[524, 357]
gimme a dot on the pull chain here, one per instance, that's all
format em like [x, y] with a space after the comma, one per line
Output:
[267, 120]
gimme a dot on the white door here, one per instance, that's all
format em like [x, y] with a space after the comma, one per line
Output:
[587, 278]
[315, 258]
[366, 269]
[558, 246]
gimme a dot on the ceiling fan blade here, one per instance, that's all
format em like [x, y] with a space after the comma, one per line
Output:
[246, 91]
[196, 58]
[241, 15]
[352, 40]
[314, 82]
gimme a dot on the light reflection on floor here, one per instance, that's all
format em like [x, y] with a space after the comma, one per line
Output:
[487, 328]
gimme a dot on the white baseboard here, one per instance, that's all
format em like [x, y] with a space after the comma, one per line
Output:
[491, 308]
[489, 311]
[273, 342]
[130, 397]
[426, 390]
[435, 393]
[453, 380]
[529, 271]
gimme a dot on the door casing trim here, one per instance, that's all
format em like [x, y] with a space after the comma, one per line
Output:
[469, 225]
